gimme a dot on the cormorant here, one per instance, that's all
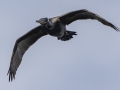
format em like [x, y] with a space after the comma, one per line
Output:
[56, 27]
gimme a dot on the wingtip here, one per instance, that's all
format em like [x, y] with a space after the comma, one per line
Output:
[117, 29]
[11, 76]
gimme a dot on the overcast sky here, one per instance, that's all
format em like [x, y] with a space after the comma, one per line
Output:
[90, 61]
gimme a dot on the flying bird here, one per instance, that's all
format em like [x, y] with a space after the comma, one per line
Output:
[56, 27]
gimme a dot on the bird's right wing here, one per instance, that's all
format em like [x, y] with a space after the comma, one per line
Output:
[21, 45]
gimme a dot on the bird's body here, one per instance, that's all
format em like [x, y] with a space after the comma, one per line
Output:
[57, 30]
[56, 27]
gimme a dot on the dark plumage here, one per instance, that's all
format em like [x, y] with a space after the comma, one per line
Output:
[53, 26]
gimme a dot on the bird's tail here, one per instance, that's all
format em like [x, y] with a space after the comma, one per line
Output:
[71, 33]
[67, 36]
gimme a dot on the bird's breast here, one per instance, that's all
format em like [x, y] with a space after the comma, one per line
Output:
[57, 30]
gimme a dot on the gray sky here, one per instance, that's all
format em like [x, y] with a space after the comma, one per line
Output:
[90, 61]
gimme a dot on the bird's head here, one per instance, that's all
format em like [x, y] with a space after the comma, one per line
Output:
[42, 21]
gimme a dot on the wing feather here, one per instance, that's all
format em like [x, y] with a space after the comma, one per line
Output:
[21, 46]
[84, 14]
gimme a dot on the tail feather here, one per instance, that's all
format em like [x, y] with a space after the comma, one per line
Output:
[67, 36]
[71, 32]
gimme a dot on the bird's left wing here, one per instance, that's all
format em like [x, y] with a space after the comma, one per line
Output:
[83, 14]
[21, 45]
